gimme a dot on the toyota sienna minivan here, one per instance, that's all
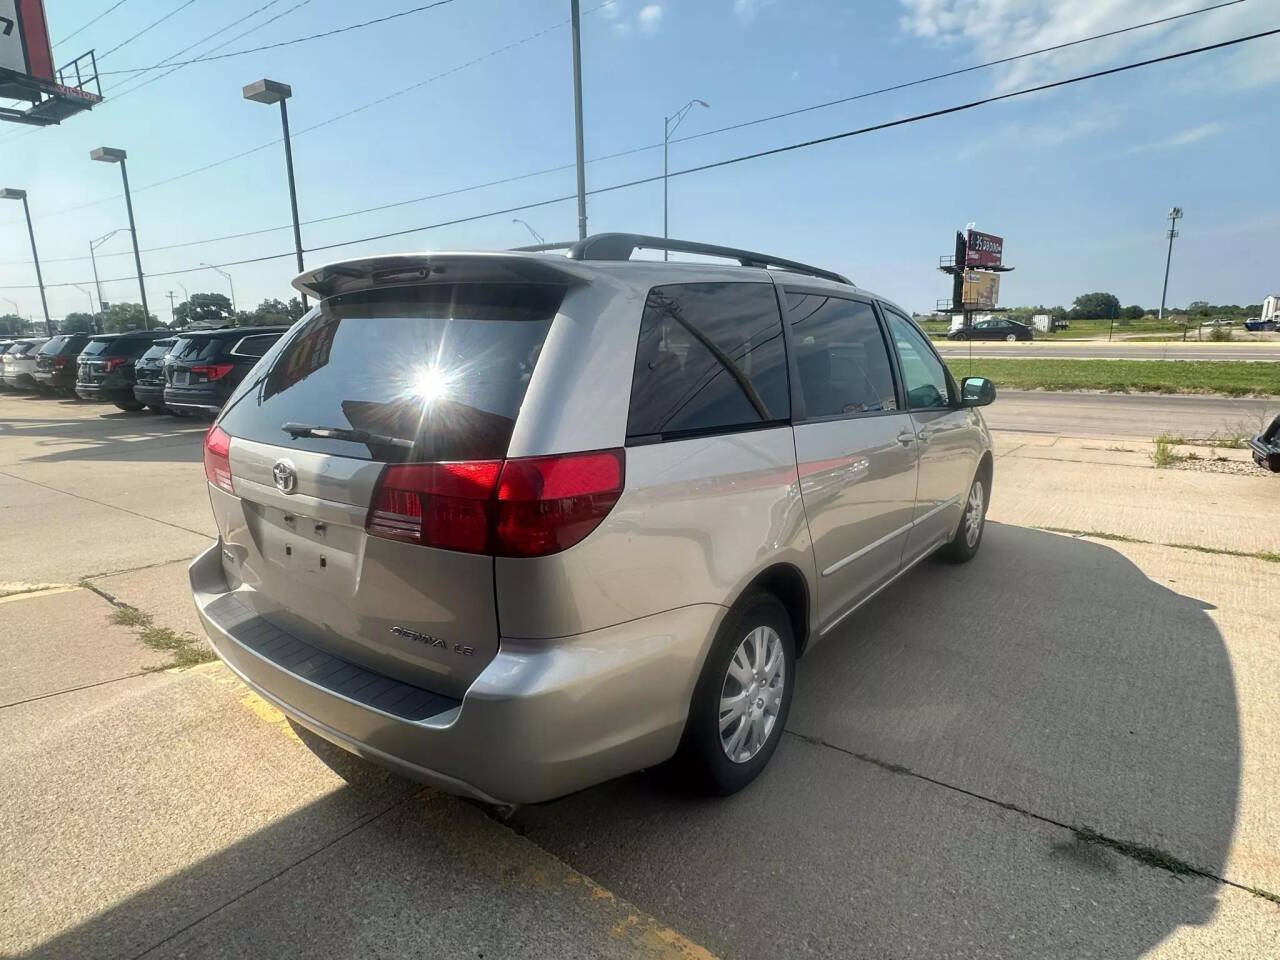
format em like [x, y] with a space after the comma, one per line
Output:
[517, 523]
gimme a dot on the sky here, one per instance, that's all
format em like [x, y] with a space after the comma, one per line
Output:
[1077, 180]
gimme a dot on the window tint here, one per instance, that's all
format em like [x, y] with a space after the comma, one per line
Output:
[54, 345]
[444, 366]
[255, 346]
[925, 376]
[196, 349]
[157, 349]
[95, 347]
[710, 358]
[841, 355]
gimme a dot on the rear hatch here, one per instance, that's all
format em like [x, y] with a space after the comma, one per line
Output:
[95, 360]
[59, 353]
[372, 381]
[197, 360]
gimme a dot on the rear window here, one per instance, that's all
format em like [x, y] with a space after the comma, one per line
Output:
[442, 366]
[710, 359]
[54, 345]
[18, 349]
[197, 349]
[95, 347]
[157, 349]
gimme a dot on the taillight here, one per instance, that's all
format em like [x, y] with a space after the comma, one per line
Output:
[113, 362]
[60, 360]
[217, 458]
[213, 371]
[527, 507]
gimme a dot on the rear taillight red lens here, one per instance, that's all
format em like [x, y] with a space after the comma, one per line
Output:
[60, 360]
[114, 362]
[217, 458]
[528, 507]
[213, 371]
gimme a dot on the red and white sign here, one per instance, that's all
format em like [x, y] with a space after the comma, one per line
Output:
[983, 250]
[24, 39]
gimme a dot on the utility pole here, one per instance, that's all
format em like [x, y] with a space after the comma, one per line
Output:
[576, 16]
[173, 313]
[1175, 214]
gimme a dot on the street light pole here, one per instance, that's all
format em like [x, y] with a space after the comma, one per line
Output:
[11, 194]
[576, 17]
[113, 155]
[89, 294]
[229, 281]
[272, 91]
[669, 125]
[536, 235]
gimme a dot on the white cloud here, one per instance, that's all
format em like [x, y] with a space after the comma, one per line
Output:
[746, 10]
[1042, 136]
[992, 29]
[611, 9]
[1190, 135]
[649, 18]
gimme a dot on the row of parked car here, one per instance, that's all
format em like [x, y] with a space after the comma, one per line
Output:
[189, 373]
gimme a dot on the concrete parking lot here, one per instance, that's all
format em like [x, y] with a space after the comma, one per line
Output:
[1063, 749]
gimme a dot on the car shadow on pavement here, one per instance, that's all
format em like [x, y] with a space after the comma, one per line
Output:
[118, 435]
[940, 749]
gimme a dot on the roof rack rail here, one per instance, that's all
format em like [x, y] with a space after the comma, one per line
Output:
[620, 246]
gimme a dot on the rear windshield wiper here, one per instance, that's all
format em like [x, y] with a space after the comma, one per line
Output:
[296, 430]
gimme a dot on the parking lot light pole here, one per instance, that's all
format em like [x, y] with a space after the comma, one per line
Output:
[536, 235]
[113, 155]
[669, 125]
[9, 193]
[89, 294]
[229, 282]
[93, 245]
[272, 91]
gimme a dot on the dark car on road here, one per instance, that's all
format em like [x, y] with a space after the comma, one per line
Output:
[56, 362]
[203, 368]
[104, 368]
[995, 328]
[148, 374]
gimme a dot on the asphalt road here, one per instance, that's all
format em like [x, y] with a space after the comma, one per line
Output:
[1118, 350]
[1002, 759]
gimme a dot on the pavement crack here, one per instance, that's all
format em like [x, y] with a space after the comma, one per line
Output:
[83, 686]
[1141, 853]
[103, 503]
[359, 824]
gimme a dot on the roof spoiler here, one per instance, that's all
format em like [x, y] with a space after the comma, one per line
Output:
[402, 269]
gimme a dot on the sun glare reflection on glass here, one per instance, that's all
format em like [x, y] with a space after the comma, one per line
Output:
[431, 384]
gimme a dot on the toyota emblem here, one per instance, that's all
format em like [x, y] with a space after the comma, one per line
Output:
[285, 476]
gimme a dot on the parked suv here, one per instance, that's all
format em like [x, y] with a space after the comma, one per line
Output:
[56, 362]
[517, 523]
[104, 369]
[18, 363]
[203, 368]
[148, 374]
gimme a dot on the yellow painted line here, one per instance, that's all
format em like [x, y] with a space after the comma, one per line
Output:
[39, 592]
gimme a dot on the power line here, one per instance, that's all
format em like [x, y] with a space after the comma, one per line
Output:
[288, 43]
[568, 166]
[86, 26]
[149, 26]
[168, 60]
[743, 158]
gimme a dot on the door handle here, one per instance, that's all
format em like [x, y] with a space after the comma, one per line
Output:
[906, 439]
[925, 436]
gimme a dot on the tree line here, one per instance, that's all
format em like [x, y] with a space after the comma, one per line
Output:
[201, 310]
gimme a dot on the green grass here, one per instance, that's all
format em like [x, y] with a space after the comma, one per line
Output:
[1267, 555]
[1162, 455]
[185, 650]
[1125, 376]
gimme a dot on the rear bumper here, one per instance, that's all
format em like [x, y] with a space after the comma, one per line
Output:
[149, 393]
[99, 392]
[54, 379]
[206, 401]
[543, 719]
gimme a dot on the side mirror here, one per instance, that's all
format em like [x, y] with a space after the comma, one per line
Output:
[976, 392]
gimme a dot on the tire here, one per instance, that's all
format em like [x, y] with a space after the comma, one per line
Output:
[968, 537]
[703, 755]
[133, 406]
[1011, 337]
[961, 336]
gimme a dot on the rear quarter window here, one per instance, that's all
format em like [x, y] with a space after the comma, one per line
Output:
[710, 359]
[442, 366]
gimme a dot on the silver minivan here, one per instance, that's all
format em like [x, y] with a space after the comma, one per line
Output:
[516, 523]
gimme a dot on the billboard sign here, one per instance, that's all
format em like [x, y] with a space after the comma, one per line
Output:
[981, 290]
[983, 250]
[24, 39]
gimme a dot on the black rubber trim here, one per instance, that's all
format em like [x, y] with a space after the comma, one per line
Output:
[332, 673]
